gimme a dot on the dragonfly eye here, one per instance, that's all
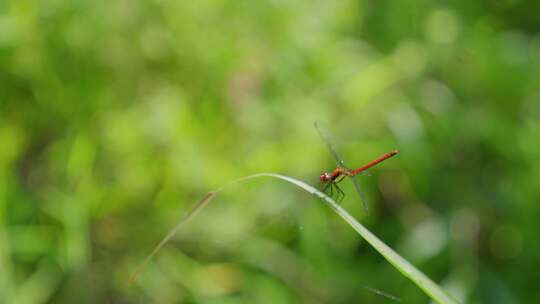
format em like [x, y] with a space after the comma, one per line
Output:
[324, 177]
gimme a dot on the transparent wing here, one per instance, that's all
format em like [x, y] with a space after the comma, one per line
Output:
[325, 136]
[359, 191]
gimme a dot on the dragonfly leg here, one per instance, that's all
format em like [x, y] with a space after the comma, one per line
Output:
[340, 194]
[326, 187]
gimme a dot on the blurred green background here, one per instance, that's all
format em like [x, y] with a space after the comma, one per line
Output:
[117, 116]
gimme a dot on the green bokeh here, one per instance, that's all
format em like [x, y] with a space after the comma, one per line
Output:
[117, 116]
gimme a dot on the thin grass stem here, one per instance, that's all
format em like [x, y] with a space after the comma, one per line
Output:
[434, 291]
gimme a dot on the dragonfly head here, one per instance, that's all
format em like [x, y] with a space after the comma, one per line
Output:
[324, 177]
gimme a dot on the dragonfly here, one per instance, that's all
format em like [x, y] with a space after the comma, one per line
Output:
[330, 180]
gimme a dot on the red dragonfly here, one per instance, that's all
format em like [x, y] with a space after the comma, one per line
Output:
[331, 179]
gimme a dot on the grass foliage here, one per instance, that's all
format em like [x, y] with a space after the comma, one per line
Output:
[434, 291]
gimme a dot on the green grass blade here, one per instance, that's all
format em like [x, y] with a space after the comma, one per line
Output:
[434, 291]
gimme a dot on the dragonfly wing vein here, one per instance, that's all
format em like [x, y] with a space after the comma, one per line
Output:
[323, 133]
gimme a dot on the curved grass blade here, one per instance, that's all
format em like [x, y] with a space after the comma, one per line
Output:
[198, 207]
[434, 291]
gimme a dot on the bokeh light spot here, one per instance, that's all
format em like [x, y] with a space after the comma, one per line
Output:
[427, 239]
[442, 26]
[465, 225]
[218, 279]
